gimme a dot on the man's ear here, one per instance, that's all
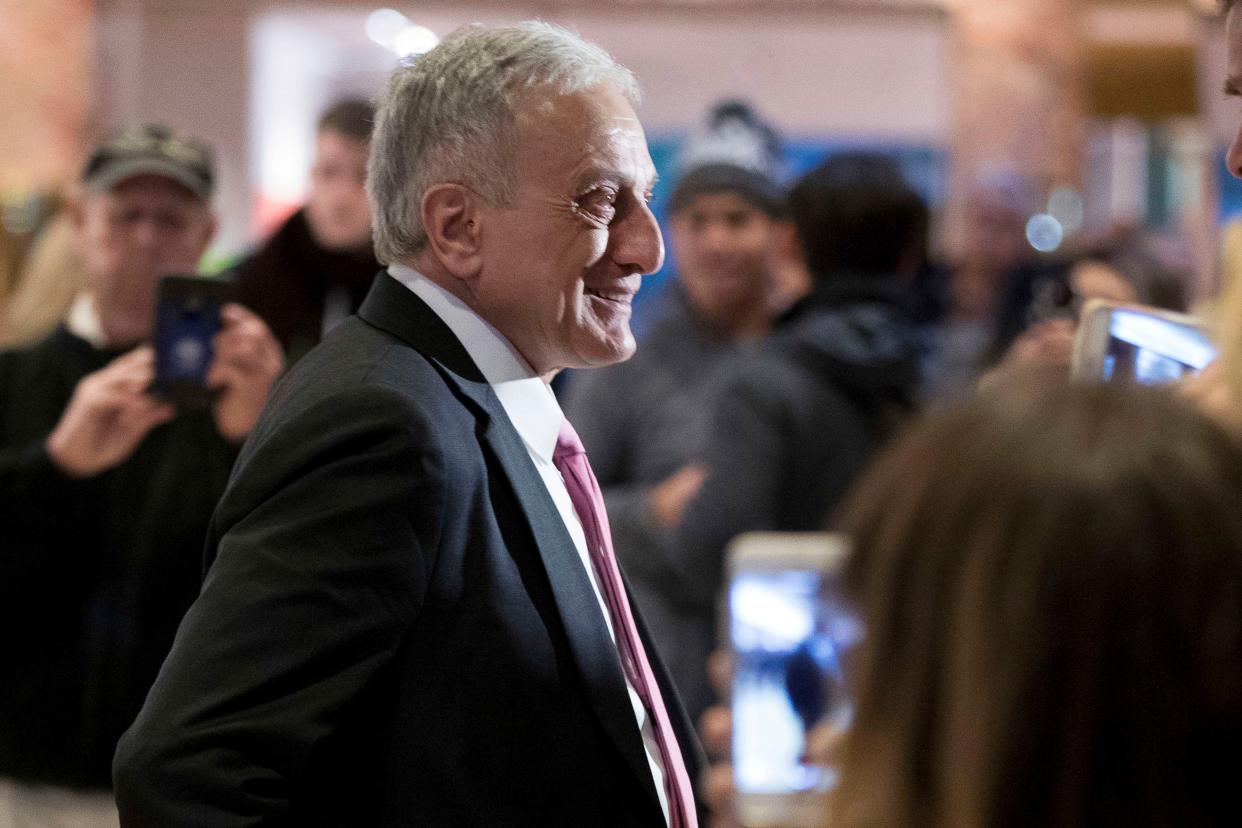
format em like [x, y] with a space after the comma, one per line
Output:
[788, 246]
[75, 209]
[453, 223]
[207, 233]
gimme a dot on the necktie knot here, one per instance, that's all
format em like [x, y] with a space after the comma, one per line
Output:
[568, 443]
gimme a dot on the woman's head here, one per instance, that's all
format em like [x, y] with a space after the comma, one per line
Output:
[1052, 589]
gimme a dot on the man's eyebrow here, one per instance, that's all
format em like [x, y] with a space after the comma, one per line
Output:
[598, 174]
[1233, 88]
[594, 175]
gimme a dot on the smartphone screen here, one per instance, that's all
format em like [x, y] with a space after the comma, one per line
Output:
[791, 635]
[1151, 350]
[187, 321]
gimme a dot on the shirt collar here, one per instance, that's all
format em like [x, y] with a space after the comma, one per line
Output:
[526, 398]
[83, 321]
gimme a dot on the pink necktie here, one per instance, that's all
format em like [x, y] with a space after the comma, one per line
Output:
[571, 460]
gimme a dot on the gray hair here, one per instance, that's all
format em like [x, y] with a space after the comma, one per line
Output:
[449, 116]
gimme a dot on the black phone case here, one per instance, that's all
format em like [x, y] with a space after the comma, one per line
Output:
[187, 320]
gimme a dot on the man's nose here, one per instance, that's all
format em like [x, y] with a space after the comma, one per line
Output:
[717, 236]
[146, 233]
[638, 244]
[1234, 158]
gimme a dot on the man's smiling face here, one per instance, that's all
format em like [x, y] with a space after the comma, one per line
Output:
[562, 262]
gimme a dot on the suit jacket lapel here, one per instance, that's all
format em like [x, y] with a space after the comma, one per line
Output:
[593, 649]
[393, 308]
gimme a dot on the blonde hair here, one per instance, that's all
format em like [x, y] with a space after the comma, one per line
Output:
[52, 276]
[1049, 585]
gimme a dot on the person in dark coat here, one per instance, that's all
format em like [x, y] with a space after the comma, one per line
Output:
[837, 376]
[105, 490]
[413, 614]
[316, 269]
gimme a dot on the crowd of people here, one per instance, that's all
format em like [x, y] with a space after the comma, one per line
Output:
[382, 578]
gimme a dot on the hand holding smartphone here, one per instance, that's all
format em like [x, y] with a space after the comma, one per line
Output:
[1134, 343]
[791, 633]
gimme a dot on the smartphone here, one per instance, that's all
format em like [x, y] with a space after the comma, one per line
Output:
[187, 319]
[791, 633]
[1138, 344]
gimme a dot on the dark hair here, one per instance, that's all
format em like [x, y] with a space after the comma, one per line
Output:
[1051, 585]
[855, 213]
[352, 117]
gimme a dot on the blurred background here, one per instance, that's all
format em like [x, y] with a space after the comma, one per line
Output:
[1112, 111]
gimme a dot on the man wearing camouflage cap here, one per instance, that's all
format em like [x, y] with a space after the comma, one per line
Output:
[106, 490]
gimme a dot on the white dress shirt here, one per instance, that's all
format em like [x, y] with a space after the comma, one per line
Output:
[537, 416]
[83, 321]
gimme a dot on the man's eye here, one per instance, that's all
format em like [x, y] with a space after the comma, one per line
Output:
[173, 221]
[603, 197]
[599, 203]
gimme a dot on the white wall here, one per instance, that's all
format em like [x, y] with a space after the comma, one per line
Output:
[232, 72]
[187, 67]
[848, 74]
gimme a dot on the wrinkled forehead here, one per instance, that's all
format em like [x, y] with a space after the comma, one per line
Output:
[718, 202]
[146, 193]
[596, 124]
[1233, 42]
[601, 108]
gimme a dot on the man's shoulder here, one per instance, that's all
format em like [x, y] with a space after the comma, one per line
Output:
[359, 360]
[273, 249]
[660, 352]
[359, 391]
[780, 387]
[55, 353]
[54, 341]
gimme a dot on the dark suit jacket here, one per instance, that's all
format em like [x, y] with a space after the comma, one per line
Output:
[395, 627]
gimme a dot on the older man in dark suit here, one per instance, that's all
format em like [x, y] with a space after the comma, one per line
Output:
[412, 614]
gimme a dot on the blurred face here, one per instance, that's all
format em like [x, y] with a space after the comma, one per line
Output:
[561, 265]
[1233, 82]
[336, 207]
[725, 252]
[143, 228]
[995, 234]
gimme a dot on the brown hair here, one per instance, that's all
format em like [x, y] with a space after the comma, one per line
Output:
[352, 117]
[1052, 590]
